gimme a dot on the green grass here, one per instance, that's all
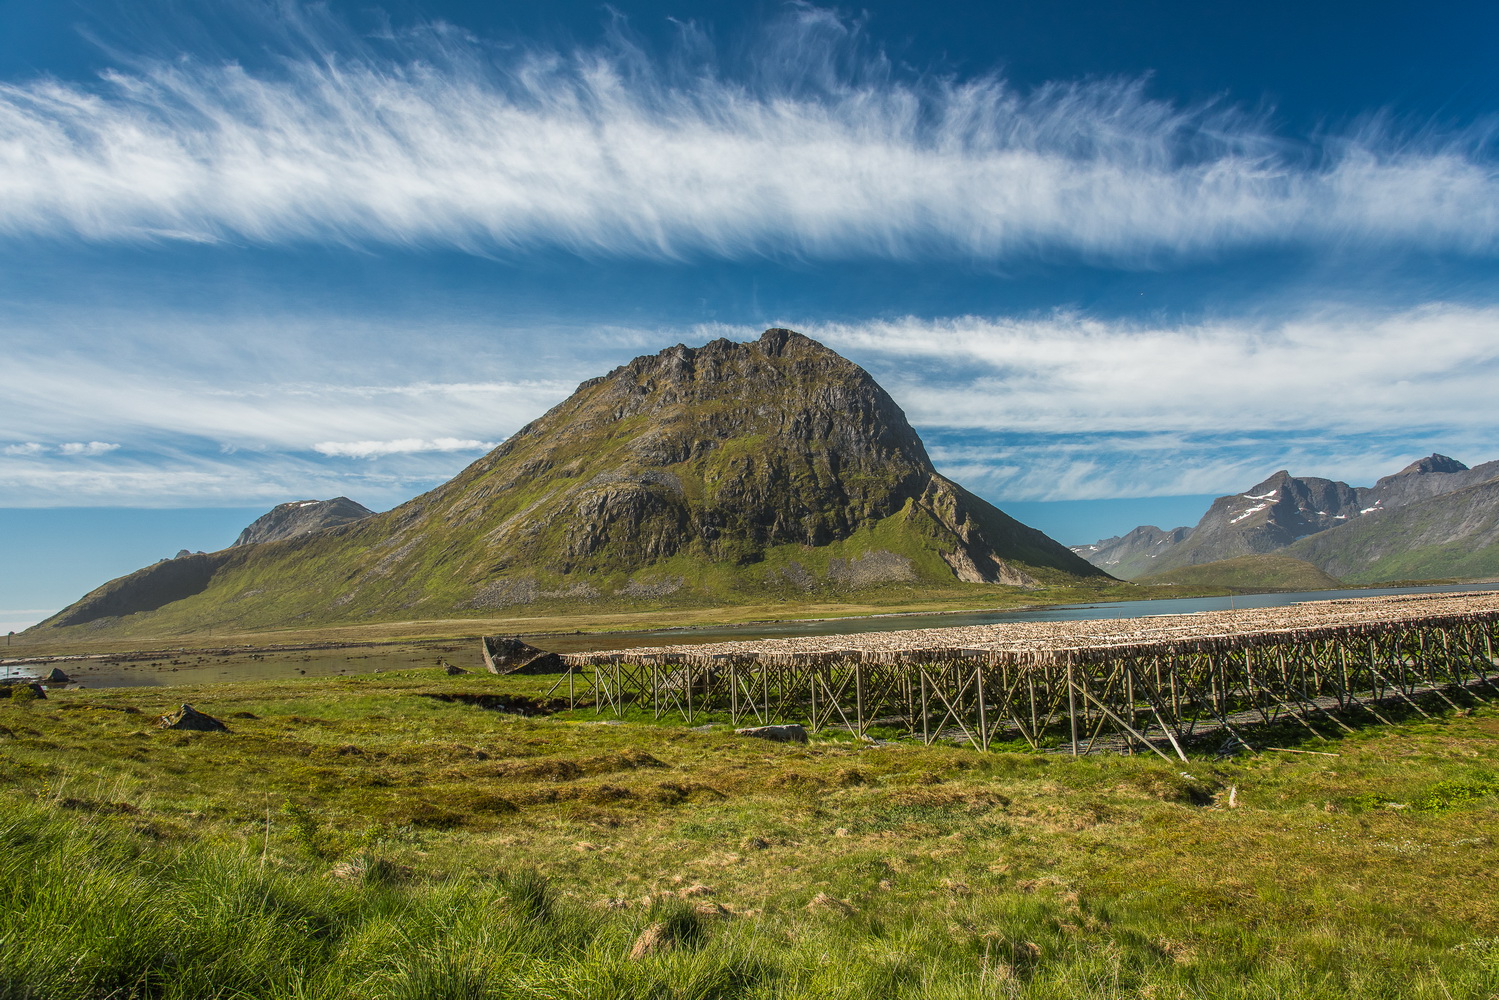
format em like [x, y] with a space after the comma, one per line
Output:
[354, 838]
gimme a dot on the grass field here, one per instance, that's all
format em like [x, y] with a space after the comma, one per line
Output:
[364, 836]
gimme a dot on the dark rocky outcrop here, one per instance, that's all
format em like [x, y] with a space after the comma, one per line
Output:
[56, 676]
[1447, 536]
[790, 733]
[1430, 477]
[1264, 518]
[302, 517]
[13, 686]
[507, 654]
[191, 719]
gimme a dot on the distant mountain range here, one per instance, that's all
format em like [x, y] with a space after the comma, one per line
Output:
[711, 476]
[1436, 518]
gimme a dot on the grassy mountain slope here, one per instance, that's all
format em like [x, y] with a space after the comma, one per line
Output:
[1257, 572]
[715, 475]
[1455, 535]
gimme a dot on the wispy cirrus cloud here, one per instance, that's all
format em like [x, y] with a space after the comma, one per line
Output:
[1070, 406]
[52, 396]
[70, 448]
[167, 477]
[1335, 368]
[434, 138]
[400, 446]
[1053, 406]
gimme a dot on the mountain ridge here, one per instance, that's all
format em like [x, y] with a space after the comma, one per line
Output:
[1283, 512]
[1449, 535]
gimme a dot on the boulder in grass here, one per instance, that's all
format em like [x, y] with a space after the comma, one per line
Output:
[507, 654]
[451, 670]
[793, 732]
[13, 687]
[190, 718]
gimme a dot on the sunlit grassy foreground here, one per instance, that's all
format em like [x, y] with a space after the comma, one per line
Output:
[355, 837]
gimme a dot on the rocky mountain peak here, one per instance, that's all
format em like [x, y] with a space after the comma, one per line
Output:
[1432, 463]
[301, 517]
[777, 341]
[1275, 480]
[1281, 510]
[723, 449]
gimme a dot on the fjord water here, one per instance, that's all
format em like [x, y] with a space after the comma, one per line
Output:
[207, 668]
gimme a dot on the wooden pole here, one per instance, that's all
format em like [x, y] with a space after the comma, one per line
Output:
[1072, 706]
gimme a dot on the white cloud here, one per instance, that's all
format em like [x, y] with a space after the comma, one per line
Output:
[1342, 370]
[443, 141]
[86, 448]
[68, 395]
[1043, 407]
[172, 478]
[1133, 466]
[70, 448]
[402, 446]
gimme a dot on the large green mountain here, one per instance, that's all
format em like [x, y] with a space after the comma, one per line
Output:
[723, 474]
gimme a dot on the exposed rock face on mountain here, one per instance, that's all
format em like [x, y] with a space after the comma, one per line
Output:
[301, 517]
[1280, 512]
[1135, 553]
[1267, 517]
[725, 473]
[1450, 535]
[1430, 477]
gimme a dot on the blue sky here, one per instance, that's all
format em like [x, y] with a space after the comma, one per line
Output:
[1112, 260]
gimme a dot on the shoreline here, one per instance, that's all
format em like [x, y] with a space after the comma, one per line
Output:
[180, 665]
[158, 652]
